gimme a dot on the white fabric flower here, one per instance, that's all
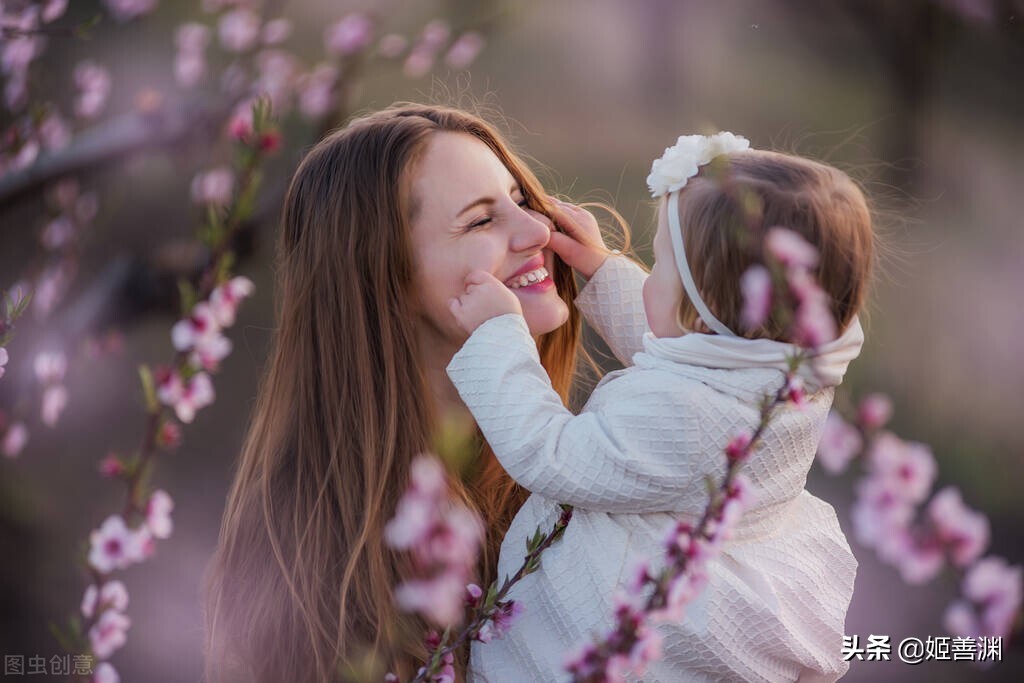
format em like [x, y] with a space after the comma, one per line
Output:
[680, 162]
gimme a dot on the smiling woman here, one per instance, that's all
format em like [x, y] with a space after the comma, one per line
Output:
[383, 220]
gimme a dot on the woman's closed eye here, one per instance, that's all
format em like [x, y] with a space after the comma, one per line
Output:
[522, 204]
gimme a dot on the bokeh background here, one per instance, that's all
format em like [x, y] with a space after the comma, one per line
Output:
[920, 100]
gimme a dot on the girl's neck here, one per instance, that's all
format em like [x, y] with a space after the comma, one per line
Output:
[436, 353]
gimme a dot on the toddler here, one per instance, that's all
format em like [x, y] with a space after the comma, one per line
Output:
[635, 459]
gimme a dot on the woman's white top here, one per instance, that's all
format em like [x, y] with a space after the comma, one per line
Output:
[634, 460]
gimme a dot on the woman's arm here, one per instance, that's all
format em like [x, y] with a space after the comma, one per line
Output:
[594, 460]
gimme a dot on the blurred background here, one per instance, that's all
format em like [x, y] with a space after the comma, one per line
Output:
[920, 100]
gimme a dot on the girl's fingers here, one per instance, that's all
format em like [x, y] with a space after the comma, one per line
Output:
[563, 245]
[478, 277]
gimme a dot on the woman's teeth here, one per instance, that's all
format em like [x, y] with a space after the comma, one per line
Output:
[526, 279]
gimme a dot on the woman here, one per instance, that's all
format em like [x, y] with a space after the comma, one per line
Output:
[382, 222]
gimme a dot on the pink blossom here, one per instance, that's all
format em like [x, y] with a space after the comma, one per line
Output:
[54, 132]
[50, 289]
[113, 595]
[93, 83]
[464, 50]
[105, 673]
[158, 514]
[739, 446]
[214, 187]
[189, 68]
[756, 286]
[965, 531]
[795, 391]
[14, 440]
[50, 366]
[501, 621]
[880, 511]
[239, 29]
[111, 466]
[169, 435]
[438, 599]
[65, 193]
[278, 76]
[995, 587]
[109, 633]
[392, 45]
[124, 10]
[419, 62]
[349, 35]
[435, 34]
[57, 233]
[201, 335]
[316, 91]
[919, 560]
[276, 31]
[225, 298]
[961, 620]
[192, 37]
[840, 442]
[55, 399]
[815, 324]
[790, 248]
[909, 465]
[115, 546]
[185, 398]
[412, 522]
[874, 411]
[53, 10]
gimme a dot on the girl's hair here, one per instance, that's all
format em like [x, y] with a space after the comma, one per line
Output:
[727, 208]
[301, 579]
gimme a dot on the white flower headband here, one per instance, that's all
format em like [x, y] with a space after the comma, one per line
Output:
[669, 174]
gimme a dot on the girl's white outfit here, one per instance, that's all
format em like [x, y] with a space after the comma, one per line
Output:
[635, 459]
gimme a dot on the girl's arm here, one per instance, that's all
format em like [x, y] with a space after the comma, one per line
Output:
[612, 299]
[595, 460]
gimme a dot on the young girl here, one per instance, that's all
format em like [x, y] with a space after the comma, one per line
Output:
[636, 457]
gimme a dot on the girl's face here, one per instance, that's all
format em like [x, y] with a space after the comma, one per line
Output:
[471, 214]
[663, 289]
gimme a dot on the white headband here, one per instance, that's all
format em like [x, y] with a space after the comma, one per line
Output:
[669, 174]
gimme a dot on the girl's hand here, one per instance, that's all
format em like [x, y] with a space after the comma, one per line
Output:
[579, 243]
[485, 298]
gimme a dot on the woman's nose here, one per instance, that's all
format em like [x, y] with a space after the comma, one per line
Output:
[531, 232]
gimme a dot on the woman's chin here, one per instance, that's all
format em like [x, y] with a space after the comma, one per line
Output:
[545, 316]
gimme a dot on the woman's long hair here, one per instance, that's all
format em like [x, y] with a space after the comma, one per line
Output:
[302, 579]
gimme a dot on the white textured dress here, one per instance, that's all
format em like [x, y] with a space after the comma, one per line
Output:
[632, 461]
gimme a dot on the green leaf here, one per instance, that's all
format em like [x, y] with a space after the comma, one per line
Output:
[149, 389]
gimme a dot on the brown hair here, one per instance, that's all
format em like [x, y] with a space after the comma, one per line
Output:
[301, 579]
[727, 208]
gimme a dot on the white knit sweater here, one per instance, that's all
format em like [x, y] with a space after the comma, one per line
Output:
[632, 461]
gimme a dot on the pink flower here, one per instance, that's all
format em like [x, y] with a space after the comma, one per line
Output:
[115, 546]
[790, 248]
[55, 399]
[93, 83]
[739, 446]
[50, 366]
[201, 334]
[239, 29]
[348, 36]
[214, 187]
[189, 68]
[919, 560]
[438, 599]
[880, 512]
[53, 10]
[961, 620]
[124, 10]
[435, 34]
[464, 50]
[392, 45]
[14, 439]
[105, 673]
[53, 132]
[276, 31]
[316, 91]
[795, 391]
[109, 633]
[419, 62]
[111, 466]
[185, 398]
[225, 298]
[995, 586]
[158, 514]
[874, 411]
[113, 595]
[278, 74]
[501, 621]
[192, 37]
[840, 442]
[815, 324]
[756, 286]
[965, 532]
[58, 233]
[909, 465]
[169, 435]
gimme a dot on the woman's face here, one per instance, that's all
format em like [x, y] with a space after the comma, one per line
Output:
[471, 214]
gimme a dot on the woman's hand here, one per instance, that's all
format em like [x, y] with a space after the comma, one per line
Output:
[485, 298]
[579, 243]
